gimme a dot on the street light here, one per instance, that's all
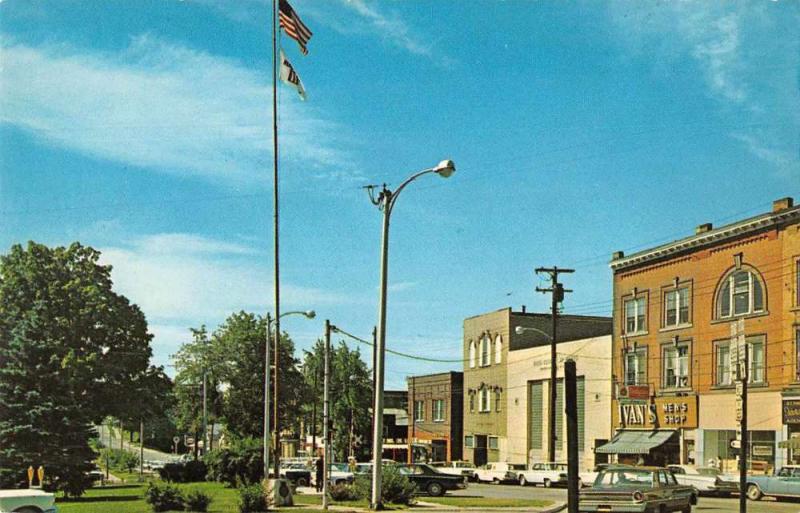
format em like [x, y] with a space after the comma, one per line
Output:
[309, 314]
[551, 404]
[385, 202]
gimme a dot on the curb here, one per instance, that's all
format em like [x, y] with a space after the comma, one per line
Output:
[556, 507]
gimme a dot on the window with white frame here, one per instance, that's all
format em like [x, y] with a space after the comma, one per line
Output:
[471, 354]
[485, 400]
[723, 375]
[676, 365]
[486, 351]
[635, 366]
[676, 307]
[740, 293]
[438, 410]
[635, 315]
[419, 411]
[755, 363]
[498, 349]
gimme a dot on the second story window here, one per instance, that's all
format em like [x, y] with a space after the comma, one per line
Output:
[635, 315]
[635, 367]
[723, 375]
[740, 293]
[676, 366]
[471, 354]
[498, 349]
[755, 363]
[419, 411]
[485, 400]
[676, 307]
[438, 410]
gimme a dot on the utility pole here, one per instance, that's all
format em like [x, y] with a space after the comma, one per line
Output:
[413, 407]
[556, 291]
[571, 403]
[314, 416]
[326, 414]
[738, 354]
[205, 410]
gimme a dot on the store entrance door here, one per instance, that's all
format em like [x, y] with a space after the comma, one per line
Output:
[480, 450]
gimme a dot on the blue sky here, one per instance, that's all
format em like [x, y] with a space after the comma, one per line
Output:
[578, 129]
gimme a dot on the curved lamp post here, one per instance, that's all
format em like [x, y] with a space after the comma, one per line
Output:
[308, 314]
[385, 201]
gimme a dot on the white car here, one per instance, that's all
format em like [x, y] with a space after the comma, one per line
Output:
[499, 472]
[456, 468]
[545, 474]
[339, 473]
[30, 500]
[707, 480]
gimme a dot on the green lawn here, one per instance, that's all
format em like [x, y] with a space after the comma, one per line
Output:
[129, 498]
[486, 502]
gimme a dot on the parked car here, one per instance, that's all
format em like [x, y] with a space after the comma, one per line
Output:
[499, 472]
[545, 474]
[707, 480]
[785, 483]
[637, 489]
[339, 473]
[430, 480]
[29, 500]
[587, 478]
[297, 473]
[456, 468]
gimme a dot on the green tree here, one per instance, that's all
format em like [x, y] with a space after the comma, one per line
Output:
[73, 351]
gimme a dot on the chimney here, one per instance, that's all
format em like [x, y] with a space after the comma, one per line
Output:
[617, 255]
[782, 204]
[703, 228]
[523, 308]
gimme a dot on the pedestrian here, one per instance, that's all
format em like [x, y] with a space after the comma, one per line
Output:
[319, 477]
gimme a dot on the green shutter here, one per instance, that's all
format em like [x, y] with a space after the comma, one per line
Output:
[535, 414]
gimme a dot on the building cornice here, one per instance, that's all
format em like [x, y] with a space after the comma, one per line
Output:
[712, 237]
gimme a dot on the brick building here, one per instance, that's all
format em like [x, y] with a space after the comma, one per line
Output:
[673, 310]
[436, 426]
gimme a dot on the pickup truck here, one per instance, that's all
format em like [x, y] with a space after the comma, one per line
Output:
[31, 500]
[499, 472]
[707, 480]
[785, 483]
[456, 468]
[545, 474]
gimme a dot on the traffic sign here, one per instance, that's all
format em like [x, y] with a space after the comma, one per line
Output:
[736, 444]
[176, 439]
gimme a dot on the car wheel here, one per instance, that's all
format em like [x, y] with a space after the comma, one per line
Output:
[754, 492]
[523, 481]
[495, 481]
[547, 483]
[435, 489]
[301, 481]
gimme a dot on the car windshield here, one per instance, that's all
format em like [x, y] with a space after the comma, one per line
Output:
[624, 477]
[708, 471]
[342, 467]
[516, 466]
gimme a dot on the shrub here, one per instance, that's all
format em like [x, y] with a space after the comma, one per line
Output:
[395, 488]
[197, 501]
[187, 472]
[119, 459]
[239, 463]
[252, 499]
[164, 497]
[344, 492]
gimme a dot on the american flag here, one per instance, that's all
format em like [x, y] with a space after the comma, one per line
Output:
[294, 27]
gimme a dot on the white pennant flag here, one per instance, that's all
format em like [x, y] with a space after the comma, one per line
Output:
[290, 76]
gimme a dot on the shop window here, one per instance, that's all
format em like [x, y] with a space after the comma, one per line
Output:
[494, 443]
[438, 410]
[676, 307]
[469, 442]
[635, 366]
[419, 411]
[676, 365]
[741, 293]
[635, 315]
[498, 349]
[722, 375]
[471, 354]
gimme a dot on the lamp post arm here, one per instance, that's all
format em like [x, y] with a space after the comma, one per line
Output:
[393, 196]
[537, 330]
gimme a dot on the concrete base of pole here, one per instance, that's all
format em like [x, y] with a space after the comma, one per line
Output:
[279, 491]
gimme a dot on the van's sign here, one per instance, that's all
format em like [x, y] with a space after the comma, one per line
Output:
[661, 412]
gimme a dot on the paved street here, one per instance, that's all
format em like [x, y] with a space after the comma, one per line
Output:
[149, 454]
[706, 504]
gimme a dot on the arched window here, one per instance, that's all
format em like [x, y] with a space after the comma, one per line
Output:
[740, 292]
[486, 351]
[498, 349]
[471, 354]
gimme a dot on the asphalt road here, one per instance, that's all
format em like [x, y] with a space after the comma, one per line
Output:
[705, 504]
[149, 454]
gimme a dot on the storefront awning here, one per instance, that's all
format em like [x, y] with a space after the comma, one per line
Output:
[635, 442]
[792, 443]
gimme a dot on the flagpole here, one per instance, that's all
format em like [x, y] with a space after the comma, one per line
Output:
[275, 228]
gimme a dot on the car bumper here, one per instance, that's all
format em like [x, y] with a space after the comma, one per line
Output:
[602, 507]
[461, 486]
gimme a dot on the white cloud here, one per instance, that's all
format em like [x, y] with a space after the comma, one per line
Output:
[389, 26]
[188, 278]
[161, 106]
